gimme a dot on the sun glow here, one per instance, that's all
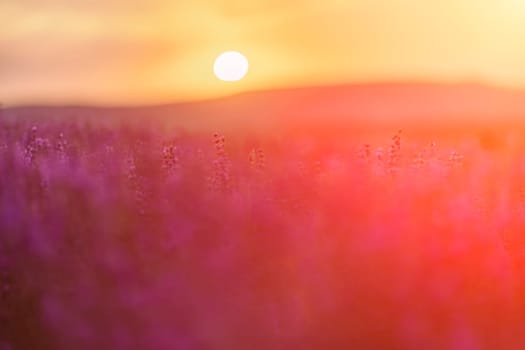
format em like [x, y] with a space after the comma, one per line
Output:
[231, 66]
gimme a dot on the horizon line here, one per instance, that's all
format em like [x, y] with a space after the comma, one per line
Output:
[119, 105]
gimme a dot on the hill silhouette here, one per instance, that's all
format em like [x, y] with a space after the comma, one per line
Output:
[369, 105]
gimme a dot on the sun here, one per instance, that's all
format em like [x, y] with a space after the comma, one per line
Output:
[231, 66]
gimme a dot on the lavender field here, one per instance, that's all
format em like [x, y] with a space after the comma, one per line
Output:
[115, 237]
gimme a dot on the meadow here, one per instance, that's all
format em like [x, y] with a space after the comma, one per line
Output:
[139, 237]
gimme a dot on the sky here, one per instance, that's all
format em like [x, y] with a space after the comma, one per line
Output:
[151, 51]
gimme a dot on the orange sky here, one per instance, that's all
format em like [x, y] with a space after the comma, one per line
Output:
[142, 51]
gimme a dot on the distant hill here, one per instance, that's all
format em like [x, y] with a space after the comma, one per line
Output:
[392, 104]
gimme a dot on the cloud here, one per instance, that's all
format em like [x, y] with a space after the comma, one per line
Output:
[243, 8]
[36, 59]
[83, 5]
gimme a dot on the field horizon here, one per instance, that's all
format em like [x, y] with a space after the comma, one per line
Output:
[387, 104]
